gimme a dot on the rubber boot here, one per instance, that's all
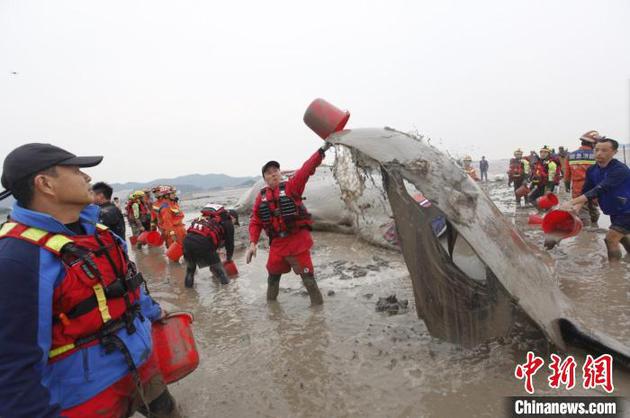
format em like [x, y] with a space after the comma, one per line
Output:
[163, 406]
[313, 290]
[593, 212]
[625, 241]
[218, 270]
[190, 273]
[613, 254]
[551, 242]
[273, 286]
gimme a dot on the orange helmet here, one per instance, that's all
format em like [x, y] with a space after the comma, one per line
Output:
[591, 136]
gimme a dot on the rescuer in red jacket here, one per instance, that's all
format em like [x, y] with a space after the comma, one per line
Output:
[280, 212]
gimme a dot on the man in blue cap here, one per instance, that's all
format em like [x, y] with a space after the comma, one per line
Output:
[75, 321]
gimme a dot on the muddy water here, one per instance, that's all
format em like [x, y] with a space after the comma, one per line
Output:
[345, 359]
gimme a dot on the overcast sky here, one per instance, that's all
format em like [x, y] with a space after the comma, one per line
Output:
[179, 87]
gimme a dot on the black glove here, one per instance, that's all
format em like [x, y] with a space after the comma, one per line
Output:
[325, 147]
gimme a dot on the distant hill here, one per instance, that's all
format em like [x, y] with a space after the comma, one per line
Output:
[191, 182]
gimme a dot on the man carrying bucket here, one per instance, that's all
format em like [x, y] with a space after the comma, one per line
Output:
[209, 232]
[545, 175]
[136, 210]
[75, 318]
[169, 217]
[608, 181]
[518, 172]
[280, 212]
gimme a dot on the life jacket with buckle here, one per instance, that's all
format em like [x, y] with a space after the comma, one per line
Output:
[142, 208]
[209, 227]
[516, 170]
[282, 214]
[99, 292]
[541, 172]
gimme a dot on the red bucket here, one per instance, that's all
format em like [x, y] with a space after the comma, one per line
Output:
[562, 223]
[522, 191]
[154, 238]
[175, 251]
[324, 118]
[133, 240]
[535, 219]
[143, 237]
[174, 346]
[230, 268]
[547, 201]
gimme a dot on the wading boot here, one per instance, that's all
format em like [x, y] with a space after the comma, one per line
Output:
[163, 406]
[218, 270]
[551, 242]
[273, 287]
[613, 254]
[313, 290]
[625, 241]
[190, 273]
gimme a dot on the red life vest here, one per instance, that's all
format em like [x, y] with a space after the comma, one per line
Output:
[208, 227]
[282, 214]
[516, 170]
[129, 208]
[541, 172]
[99, 292]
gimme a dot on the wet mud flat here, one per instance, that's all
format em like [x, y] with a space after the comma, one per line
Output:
[346, 359]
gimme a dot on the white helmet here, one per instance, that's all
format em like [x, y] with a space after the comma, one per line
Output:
[211, 207]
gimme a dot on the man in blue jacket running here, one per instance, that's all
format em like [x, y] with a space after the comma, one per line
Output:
[609, 182]
[75, 318]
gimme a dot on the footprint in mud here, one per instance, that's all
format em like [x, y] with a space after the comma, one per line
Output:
[392, 305]
[346, 270]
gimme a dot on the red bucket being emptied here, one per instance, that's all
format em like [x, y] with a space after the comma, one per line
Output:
[547, 201]
[174, 346]
[561, 223]
[324, 118]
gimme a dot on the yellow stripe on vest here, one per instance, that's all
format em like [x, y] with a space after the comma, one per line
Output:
[34, 234]
[60, 350]
[6, 228]
[57, 242]
[102, 227]
[102, 302]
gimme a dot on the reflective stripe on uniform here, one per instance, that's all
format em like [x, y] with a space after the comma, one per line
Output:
[102, 227]
[57, 242]
[60, 350]
[581, 162]
[34, 234]
[6, 228]
[102, 302]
